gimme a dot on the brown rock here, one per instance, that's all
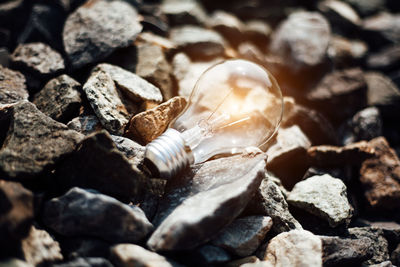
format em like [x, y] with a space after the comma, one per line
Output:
[148, 125]
[12, 86]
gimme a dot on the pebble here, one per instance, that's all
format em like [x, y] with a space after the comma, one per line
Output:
[12, 86]
[367, 124]
[382, 92]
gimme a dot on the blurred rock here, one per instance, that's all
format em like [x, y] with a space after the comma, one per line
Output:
[14, 262]
[75, 247]
[380, 176]
[148, 125]
[184, 12]
[81, 212]
[205, 200]
[294, 248]
[244, 235]
[97, 28]
[60, 98]
[386, 59]
[325, 197]
[243, 261]
[85, 124]
[258, 31]
[367, 124]
[228, 26]
[341, 16]
[290, 146]
[198, 43]
[85, 262]
[34, 143]
[345, 52]
[210, 255]
[116, 177]
[367, 7]
[395, 256]
[381, 29]
[339, 251]
[152, 18]
[12, 86]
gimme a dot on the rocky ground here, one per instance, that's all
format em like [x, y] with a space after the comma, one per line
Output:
[85, 85]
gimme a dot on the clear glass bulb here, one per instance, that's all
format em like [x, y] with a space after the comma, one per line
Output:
[234, 105]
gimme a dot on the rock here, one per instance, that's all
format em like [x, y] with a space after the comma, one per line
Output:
[132, 150]
[12, 86]
[270, 201]
[210, 255]
[380, 176]
[325, 197]
[294, 248]
[34, 143]
[341, 15]
[301, 41]
[76, 247]
[148, 125]
[345, 88]
[97, 28]
[383, 264]
[85, 262]
[129, 255]
[14, 262]
[85, 124]
[242, 262]
[379, 245]
[339, 251]
[198, 43]
[184, 12]
[116, 177]
[345, 52]
[205, 200]
[81, 212]
[40, 248]
[37, 59]
[290, 146]
[395, 256]
[331, 156]
[16, 216]
[152, 18]
[386, 59]
[367, 124]
[244, 235]
[60, 98]
[367, 7]
[382, 28]
[227, 25]
[258, 31]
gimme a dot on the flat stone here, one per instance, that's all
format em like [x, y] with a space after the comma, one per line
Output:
[388, 58]
[345, 52]
[125, 255]
[60, 98]
[380, 177]
[367, 7]
[338, 251]
[205, 200]
[384, 26]
[340, 15]
[301, 40]
[227, 25]
[98, 164]
[184, 12]
[38, 59]
[34, 143]
[382, 92]
[81, 212]
[148, 125]
[85, 262]
[325, 197]
[198, 43]
[244, 235]
[97, 28]
[12, 86]
[367, 124]
[85, 124]
[294, 248]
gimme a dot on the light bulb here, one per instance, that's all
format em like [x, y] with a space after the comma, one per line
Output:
[235, 104]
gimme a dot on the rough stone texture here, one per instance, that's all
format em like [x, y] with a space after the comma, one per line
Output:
[345, 53]
[97, 28]
[339, 251]
[295, 248]
[81, 212]
[85, 124]
[386, 59]
[244, 235]
[301, 40]
[38, 59]
[34, 142]
[184, 12]
[379, 245]
[132, 150]
[148, 125]
[85, 262]
[129, 255]
[205, 200]
[383, 93]
[198, 43]
[99, 165]
[270, 201]
[60, 98]
[346, 88]
[39, 248]
[12, 86]
[323, 196]
[380, 177]
[16, 215]
[290, 146]
[367, 124]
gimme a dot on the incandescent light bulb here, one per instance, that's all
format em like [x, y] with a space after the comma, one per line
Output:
[234, 105]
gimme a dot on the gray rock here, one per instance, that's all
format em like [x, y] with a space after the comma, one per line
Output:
[132, 150]
[81, 212]
[85, 124]
[340, 15]
[382, 92]
[12, 86]
[244, 235]
[385, 26]
[198, 43]
[97, 28]
[38, 59]
[126, 255]
[60, 98]
[184, 12]
[34, 142]
[367, 124]
[323, 196]
[295, 248]
[85, 262]
[210, 255]
[301, 40]
[205, 200]
[367, 7]
[386, 59]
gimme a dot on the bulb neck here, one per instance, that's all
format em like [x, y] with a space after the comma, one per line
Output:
[169, 154]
